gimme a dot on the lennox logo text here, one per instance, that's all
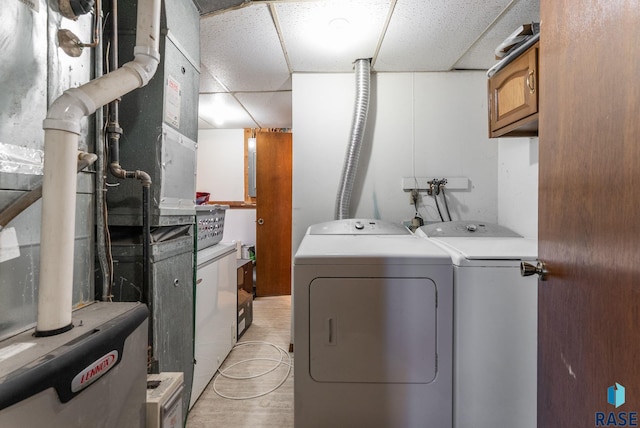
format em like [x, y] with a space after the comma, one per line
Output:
[94, 371]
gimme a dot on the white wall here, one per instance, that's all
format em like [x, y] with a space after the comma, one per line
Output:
[422, 124]
[518, 185]
[419, 124]
[220, 164]
[220, 171]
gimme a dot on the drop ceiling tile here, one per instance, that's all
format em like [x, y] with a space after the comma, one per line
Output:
[269, 109]
[328, 36]
[223, 111]
[481, 55]
[433, 35]
[242, 50]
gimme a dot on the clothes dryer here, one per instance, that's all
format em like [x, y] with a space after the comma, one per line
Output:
[495, 324]
[373, 328]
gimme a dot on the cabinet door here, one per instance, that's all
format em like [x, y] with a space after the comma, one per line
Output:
[513, 97]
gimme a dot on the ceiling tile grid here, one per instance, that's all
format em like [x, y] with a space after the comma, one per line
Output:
[242, 50]
[432, 35]
[269, 109]
[249, 51]
[481, 55]
[208, 83]
[223, 111]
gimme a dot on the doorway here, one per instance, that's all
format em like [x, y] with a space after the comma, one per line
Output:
[273, 186]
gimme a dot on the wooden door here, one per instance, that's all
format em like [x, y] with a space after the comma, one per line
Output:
[589, 211]
[273, 213]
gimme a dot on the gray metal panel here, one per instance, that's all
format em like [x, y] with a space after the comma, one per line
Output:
[23, 82]
[177, 172]
[97, 402]
[33, 72]
[183, 22]
[160, 122]
[19, 277]
[210, 6]
[169, 158]
[172, 272]
[145, 107]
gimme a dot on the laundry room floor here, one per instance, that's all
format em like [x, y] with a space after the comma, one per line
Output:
[270, 329]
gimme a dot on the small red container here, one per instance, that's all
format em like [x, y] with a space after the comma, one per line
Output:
[202, 198]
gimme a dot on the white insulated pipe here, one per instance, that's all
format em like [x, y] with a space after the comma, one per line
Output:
[62, 131]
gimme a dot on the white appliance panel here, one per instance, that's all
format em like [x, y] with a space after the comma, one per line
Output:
[374, 296]
[215, 317]
[372, 330]
[164, 402]
[495, 347]
[495, 326]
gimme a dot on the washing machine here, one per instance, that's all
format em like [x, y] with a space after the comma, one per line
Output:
[373, 328]
[495, 323]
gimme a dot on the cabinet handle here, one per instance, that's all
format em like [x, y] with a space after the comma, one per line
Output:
[531, 82]
[331, 327]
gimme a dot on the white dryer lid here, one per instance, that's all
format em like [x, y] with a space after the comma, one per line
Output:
[369, 249]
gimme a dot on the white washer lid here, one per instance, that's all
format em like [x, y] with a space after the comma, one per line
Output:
[476, 248]
[467, 228]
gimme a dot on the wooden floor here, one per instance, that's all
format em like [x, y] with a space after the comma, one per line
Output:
[272, 324]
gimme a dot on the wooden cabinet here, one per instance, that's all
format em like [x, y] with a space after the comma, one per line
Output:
[245, 275]
[245, 295]
[513, 97]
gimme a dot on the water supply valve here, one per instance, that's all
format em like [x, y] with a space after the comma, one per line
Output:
[73, 8]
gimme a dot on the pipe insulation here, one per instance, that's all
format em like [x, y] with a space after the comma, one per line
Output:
[361, 108]
[62, 129]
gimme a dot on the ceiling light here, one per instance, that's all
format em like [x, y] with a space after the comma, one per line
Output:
[338, 33]
[339, 25]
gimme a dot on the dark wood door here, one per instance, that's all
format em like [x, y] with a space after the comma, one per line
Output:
[273, 213]
[589, 211]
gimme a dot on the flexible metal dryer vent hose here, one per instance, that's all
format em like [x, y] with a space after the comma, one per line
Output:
[343, 199]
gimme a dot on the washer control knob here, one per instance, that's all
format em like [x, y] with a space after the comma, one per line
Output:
[472, 227]
[359, 225]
